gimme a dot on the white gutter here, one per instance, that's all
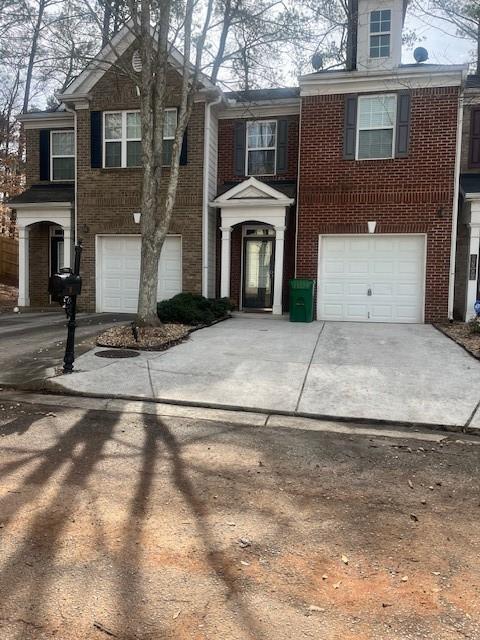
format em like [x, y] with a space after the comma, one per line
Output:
[75, 215]
[456, 197]
[298, 187]
[205, 195]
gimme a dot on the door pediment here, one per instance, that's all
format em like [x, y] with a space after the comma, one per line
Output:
[252, 192]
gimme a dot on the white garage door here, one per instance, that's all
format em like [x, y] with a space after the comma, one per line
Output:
[118, 271]
[371, 278]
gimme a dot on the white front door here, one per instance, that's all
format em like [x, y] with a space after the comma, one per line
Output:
[371, 278]
[118, 271]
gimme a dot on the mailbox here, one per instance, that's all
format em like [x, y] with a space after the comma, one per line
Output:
[65, 283]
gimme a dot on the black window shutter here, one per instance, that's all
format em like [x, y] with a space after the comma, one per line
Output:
[96, 139]
[184, 150]
[239, 152]
[474, 152]
[403, 124]
[44, 154]
[282, 146]
[350, 127]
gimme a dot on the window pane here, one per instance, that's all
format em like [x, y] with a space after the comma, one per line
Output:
[261, 162]
[167, 151]
[133, 126]
[63, 168]
[380, 21]
[113, 126]
[376, 112]
[261, 134]
[380, 46]
[170, 124]
[113, 154]
[375, 144]
[63, 143]
[134, 154]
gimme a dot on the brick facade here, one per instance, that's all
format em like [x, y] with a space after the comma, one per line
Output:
[226, 149]
[108, 197]
[408, 195]
[226, 174]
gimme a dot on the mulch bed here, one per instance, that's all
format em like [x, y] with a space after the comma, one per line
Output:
[460, 333]
[149, 338]
[8, 297]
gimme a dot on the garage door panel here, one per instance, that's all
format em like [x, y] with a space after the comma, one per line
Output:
[391, 267]
[358, 267]
[334, 266]
[118, 272]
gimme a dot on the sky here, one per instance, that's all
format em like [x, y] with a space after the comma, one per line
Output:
[443, 46]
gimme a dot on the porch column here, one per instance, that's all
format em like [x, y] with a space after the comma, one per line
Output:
[472, 270]
[67, 247]
[278, 278]
[225, 272]
[23, 268]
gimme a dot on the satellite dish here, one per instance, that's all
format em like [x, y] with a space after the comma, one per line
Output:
[420, 54]
[317, 61]
[137, 61]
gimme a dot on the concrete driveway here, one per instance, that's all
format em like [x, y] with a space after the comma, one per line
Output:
[399, 373]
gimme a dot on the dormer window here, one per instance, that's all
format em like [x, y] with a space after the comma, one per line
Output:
[380, 33]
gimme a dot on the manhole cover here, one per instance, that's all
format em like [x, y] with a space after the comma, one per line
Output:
[117, 353]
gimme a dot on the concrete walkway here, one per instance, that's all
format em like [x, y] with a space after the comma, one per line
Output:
[398, 373]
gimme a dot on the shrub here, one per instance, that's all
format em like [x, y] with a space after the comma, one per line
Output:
[192, 309]
[474, 325]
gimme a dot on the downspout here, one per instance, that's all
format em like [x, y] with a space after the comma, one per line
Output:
[205, 195]
[297, 212]
[456, 197]
[75, 216]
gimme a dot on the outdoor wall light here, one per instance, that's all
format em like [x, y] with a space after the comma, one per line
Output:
[371, 226]
[136, 217]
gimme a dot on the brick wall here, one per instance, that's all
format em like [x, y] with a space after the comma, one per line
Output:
[226, 147]
[107, 198]
[32, 146]
[409, 195]
[39, 253]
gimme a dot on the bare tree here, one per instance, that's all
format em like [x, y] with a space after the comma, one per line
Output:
[463, 15]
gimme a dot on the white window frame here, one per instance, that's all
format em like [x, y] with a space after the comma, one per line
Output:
[379, 33]
[393, 127]
[52, 133]
[123, 140]
[247, 149]
[176, 125]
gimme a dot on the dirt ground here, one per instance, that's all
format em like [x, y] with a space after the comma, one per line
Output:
[136, 527]
[8, 297]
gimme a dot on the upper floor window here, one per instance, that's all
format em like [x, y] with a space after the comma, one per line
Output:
[376, 127]
[380, 33]
[62, 144]
[261, 148]
[123, 138]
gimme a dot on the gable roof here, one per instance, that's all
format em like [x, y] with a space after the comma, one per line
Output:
[110, 53]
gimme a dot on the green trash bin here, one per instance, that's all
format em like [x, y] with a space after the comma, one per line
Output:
[301, 299]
